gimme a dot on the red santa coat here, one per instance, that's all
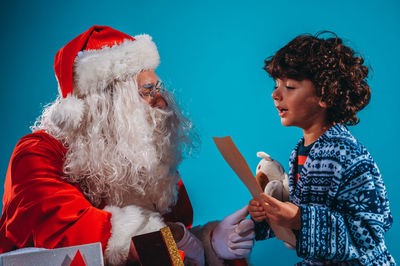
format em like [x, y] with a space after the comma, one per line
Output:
[40, 209]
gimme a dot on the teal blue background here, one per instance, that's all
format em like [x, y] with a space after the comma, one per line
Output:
[212, 55]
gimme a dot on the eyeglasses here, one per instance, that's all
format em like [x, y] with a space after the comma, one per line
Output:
[150, 89]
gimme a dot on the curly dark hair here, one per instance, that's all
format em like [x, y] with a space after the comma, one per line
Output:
[337, 72]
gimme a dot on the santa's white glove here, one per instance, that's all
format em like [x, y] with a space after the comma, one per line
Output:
[233, 237]
[192, 247]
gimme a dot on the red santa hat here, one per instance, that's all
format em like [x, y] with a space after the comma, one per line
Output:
[92, 61]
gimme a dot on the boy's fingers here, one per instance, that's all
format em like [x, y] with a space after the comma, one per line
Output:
[269, 209]
[259, 218]
[255, 209]
[254, 202]
[257, 214]
[271, 218]
[270, 200]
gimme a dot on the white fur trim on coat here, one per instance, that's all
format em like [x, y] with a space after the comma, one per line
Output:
[203, 233]
[127, 222]
[96, 69]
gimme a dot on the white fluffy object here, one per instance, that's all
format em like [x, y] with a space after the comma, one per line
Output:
[127, 222]
[271, 172]
[95, 69]
[277, 181]
[67, 113]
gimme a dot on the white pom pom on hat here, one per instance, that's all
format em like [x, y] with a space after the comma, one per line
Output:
[67, 113]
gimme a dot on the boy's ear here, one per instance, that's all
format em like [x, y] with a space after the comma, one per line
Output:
[323, 104]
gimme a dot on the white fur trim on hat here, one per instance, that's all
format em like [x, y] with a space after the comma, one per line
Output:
[96, 69]
[67, 113]
[203, 233]
[127, 222]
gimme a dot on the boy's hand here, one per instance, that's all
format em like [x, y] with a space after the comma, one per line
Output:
[256, 211]
[283, 213]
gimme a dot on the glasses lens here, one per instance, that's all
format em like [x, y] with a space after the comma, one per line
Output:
[151, 88]
[159, 87]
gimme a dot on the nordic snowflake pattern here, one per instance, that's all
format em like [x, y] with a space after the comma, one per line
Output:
[343, 203]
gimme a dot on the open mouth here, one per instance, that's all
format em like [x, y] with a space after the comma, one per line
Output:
[282, 111]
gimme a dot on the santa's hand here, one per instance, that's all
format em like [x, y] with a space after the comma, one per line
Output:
[192, 247]
[233, 237]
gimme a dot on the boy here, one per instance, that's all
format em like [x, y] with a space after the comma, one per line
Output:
[338, 206]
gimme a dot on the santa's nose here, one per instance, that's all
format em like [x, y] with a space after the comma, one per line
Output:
[158, 101]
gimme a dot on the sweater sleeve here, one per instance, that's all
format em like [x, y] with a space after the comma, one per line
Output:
[263, 230]
[355, 228]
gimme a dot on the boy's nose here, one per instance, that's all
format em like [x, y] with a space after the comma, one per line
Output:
[276, 95]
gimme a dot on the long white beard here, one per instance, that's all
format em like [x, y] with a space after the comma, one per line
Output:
[124, 152]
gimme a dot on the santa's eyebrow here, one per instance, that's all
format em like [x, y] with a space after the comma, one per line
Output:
[147, 85]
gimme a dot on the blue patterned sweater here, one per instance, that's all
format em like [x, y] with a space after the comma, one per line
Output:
[343, 203]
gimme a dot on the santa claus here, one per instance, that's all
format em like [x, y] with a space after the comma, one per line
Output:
[101, 163]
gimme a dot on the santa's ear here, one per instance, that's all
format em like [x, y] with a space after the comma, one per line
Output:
[263, 155]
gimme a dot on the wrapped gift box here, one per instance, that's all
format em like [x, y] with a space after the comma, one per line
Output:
[89, 255]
